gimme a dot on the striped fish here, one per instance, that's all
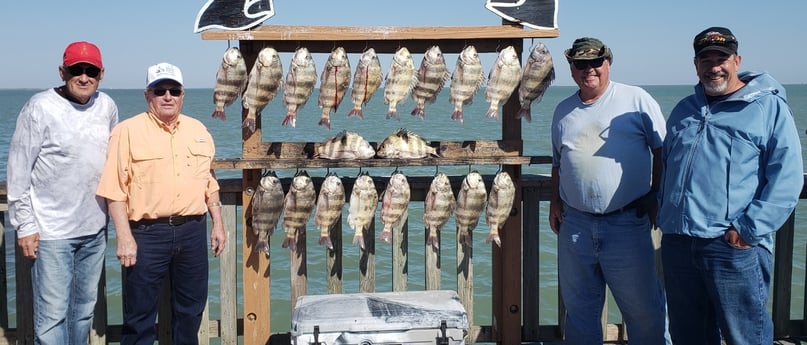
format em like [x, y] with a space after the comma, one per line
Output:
[333, 84]
[502, 80]
[394, 205]
[300, 81]
[345, 145]
[366, 81]
[431, 77]
[471, 201]
[438, 206]
[405, 144]
[363, 203]
[231, 78]
[399, 81]
[265, 79]
[465, 81]
[298, 204]
[539, 72]
[267, 205]
[330, 203]
[500, 202]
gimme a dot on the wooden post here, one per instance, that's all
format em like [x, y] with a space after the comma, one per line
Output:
[782, 278]
[333, 260]
[228, 268]
[400, 257]
[367, 259]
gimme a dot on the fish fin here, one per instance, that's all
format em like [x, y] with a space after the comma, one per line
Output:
[262, 246]
[219, 114]
[466, 238]
[291, 118]
[249, 123]
[494, 235]
[325, 240]
[290, 241]
[386, 235]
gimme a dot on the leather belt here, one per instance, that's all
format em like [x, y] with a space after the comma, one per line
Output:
[172, 220]
[630, 206]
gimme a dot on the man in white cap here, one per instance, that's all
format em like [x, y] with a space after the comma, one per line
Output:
[159, 186]
[54, 162]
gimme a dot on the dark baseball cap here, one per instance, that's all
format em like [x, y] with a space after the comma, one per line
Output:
[715, 39]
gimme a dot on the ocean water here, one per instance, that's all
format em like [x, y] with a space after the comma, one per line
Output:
[375, 127]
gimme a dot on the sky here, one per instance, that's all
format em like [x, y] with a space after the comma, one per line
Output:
[651, 40]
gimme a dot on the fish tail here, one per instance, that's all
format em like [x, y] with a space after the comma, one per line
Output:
[465, 238]
[357, 112]
[493, 112]
[432, 240]
[358, 238]
[386, 234]
[325, 120]
[457, 115]
[524, 113]
[494, 235]
[420, 112]
[393, 112]
[325, 240]
[290, 242]
[262, 246]
[291, 118]
[219, 114]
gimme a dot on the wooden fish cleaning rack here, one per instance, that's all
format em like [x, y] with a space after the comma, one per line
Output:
[507, 152]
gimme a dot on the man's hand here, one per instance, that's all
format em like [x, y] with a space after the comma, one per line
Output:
[217, 238]
[734, 239]
[29, 245]
[555, 216]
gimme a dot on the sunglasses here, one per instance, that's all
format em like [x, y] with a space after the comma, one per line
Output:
[90, 71]
[161, 92]
[583, 64]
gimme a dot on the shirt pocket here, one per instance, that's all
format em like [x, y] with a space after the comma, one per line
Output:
[743, 175]
[199, 158]
[147, 164]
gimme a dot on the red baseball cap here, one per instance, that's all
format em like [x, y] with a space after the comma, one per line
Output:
[82, 51]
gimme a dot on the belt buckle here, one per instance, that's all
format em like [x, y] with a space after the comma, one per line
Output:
[171, 221]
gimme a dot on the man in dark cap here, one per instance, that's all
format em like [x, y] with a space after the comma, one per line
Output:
[54, 163]
[606, 143]
[732, 176]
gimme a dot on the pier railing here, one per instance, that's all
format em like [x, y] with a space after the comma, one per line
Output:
[228, 327]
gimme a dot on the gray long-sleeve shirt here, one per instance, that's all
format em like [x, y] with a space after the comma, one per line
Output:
[55, 160]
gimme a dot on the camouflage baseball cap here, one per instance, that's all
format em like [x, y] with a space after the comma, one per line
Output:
[587, 48]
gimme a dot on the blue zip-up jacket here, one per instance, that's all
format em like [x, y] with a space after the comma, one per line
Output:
[736, 162]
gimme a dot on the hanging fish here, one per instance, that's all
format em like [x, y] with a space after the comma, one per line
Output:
[500, 202]
[300, 81]
[438, 206]
[298, 204]
[465, 81]
[399, 81]
[502, 80]
[431, 76]
[405, 144]
[333, 84]
[231, 78]
[330, 203]
[539, 72]
[366, 81]
[394, 205]
[267, 205]
[265, 79]
[345, 145]
[363, 203]
[471, 201]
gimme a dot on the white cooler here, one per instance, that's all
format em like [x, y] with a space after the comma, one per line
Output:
[412, 317]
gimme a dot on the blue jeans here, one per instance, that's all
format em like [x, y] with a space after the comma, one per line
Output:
[616, 250]
[715, 290]
[65, 279]
[162, 249]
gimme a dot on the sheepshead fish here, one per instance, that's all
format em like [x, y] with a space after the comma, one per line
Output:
[500, 201]
[231, 78]
[333, 84]
[394, 205]
[471, 201]
[267, 205]
[363, 203]
[400, 80]
[330, 202]
[265, 79]
[431, 77]
[539, 72]
[299, 203]
[405, 144]
[502, 80]
[366, 81]
[465, 81]
[438, 206]
[345, 145]
[300, 81]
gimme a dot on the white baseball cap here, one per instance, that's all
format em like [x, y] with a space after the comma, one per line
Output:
[163, 71]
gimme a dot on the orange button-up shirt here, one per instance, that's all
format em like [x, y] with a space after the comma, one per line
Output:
[159, 172]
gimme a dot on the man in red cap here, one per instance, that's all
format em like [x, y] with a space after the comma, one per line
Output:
[55, 160]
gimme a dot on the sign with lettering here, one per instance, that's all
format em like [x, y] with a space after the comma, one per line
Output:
[536, 14]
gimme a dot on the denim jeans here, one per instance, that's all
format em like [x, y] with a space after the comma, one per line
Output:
[65, 278]
[616, 250]
[715, 290]
[163, 249]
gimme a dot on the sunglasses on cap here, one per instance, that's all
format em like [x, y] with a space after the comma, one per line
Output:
[583, 64]
[90, 71]
[161, 92]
